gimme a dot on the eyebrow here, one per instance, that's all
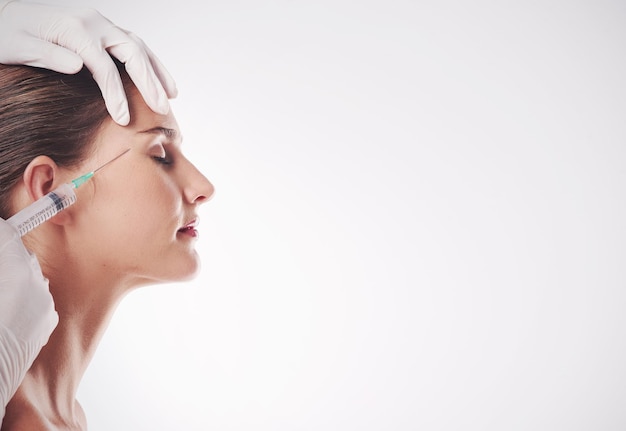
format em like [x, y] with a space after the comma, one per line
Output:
[169, 133]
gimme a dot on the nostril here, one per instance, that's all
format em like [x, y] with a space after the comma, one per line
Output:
[199, 189]
[207, 195]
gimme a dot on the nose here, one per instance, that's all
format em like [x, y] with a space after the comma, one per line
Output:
[197, 189]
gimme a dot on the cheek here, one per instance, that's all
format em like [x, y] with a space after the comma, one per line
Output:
[135, 209]
[135, 230]
[150, 207]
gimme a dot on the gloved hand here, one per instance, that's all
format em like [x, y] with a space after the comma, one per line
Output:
[63, 39]
[27, 316]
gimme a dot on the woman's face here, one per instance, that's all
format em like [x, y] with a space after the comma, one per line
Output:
[137, 216]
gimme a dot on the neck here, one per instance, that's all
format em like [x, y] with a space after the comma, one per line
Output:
[85, 298]
[63, 360]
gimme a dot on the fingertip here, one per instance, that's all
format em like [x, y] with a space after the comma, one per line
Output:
[156, 100]
[115, 99]
[120, 114]
[73, 64]
[122, 119]
[172, 91]
[163, 106]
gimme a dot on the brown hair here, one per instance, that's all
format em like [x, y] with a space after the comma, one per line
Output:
[45, 113]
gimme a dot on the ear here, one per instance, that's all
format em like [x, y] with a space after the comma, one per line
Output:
[40, 178]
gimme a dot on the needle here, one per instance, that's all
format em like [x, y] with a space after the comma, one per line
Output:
[83, 178]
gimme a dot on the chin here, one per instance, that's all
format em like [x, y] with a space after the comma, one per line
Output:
[170, 271]
[184, 269]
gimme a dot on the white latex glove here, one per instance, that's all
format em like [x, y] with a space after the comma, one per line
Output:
[64, 39]
[27, 316]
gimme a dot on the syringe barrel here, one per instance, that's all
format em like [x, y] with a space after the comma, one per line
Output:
[43, 209]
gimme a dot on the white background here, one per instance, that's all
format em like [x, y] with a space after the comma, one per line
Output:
[419, 221]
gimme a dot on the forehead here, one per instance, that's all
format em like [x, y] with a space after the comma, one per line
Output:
[142, 118]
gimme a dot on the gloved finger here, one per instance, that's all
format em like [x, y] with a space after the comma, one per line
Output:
[133, 53]
[167, 81]
[39, 53]
[107, 77]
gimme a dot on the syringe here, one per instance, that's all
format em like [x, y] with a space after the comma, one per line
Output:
[51, 204]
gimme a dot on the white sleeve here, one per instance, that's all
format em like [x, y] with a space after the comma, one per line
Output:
[16, 357]
[3, 3]
[27, 315]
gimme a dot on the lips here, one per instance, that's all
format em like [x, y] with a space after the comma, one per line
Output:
[190, 229]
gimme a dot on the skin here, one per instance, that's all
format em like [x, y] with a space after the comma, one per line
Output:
[123, 232]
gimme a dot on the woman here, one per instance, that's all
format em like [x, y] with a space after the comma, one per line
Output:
[133, 224]
[61, 39]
